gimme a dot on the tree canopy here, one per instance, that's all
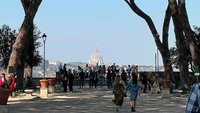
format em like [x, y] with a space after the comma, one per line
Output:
[7, 39]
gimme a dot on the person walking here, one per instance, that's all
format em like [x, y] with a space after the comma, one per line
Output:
[118, 91]
[133, 87]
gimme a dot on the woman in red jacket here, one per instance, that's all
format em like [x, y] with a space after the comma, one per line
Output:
[12, 82]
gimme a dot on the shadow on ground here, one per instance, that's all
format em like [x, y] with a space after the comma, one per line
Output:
[93, 101]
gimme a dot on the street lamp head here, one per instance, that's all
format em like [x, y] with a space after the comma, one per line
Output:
[44, 36]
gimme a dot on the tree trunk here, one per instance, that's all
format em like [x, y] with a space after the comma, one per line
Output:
[185, 79]
[189, 33]
[168, 71]
[18, 54]
[181, 46]
[162, 47]
[20, 75]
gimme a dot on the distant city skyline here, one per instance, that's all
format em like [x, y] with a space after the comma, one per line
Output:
[75, 28]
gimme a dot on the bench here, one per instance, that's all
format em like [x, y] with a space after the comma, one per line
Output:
[28, 92]
[177, 92]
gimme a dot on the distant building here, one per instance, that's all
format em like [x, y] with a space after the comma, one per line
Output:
[96, 58]
[54, 62]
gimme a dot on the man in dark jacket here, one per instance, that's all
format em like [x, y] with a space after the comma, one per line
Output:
[65, 78]
[81, 78]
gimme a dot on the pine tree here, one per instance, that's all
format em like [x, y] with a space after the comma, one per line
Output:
[7, 39]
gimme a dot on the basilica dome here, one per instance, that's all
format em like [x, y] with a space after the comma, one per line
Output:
[96, 58]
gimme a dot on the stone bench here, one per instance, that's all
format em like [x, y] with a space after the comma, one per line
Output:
[28, 92]
[177, 92]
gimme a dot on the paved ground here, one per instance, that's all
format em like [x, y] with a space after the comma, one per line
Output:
[93, 101]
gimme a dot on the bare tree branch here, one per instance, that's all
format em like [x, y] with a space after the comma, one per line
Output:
[163, 47]
[127, 2]
[149, 21]
[189, 33]
[30, 7]
[166, 26]
[26, 5]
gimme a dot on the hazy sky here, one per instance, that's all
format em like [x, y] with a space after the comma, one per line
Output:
[75, 28]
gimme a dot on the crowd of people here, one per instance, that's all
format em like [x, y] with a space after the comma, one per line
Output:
[8, 82]
[117, 79]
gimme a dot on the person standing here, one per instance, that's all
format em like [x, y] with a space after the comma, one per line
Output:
[87, 69]
[118, 91]
[96, 80]
[193, 103]
[104, 70]
[91, 78]
[6, 86]
[59, 74]
[65, 78]
[2, 81]
[12, 84]
[144, 82]
[133, 88]
[113, 68]
[124, 76]
[71, 79]
[109, 80]
[129, 70]
[101, 76]
[81, 78]
[60, 68]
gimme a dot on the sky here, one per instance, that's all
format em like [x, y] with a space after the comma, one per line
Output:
[75, 28]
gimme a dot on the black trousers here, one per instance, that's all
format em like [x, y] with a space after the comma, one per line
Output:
[70, 85]
[95, 83]
[91, 83]
[145, 88]
[65, 85]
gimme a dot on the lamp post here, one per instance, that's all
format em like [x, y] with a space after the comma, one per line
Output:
[44, 82]
[44, 36]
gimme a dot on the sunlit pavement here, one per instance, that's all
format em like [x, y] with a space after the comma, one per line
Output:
[93, 101]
